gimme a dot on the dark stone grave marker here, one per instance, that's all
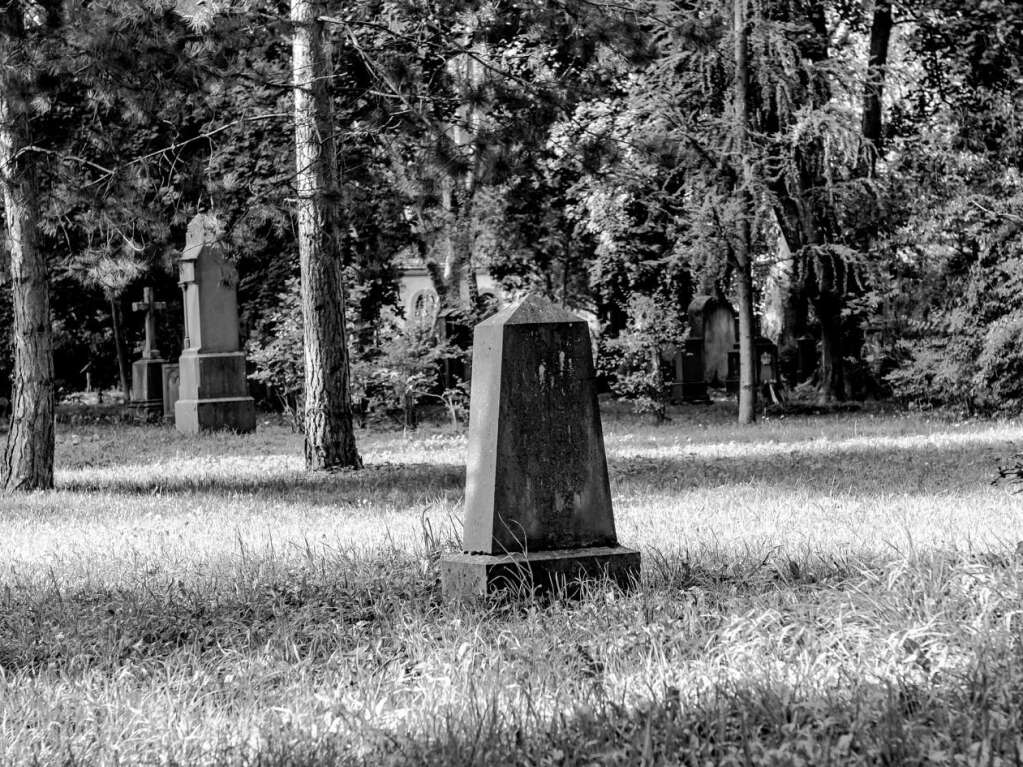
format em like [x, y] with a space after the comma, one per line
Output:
[537, 501]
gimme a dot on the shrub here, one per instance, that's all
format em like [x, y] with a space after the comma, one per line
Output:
[391, 373]
[999, 375]
[276, 350]
[632, 360]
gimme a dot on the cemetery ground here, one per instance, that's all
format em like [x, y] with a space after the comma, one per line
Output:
[816, 590]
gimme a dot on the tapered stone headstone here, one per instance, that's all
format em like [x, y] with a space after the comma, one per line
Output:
[537, 498]
[213, 392]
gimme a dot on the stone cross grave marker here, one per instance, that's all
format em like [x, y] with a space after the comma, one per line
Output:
[537, 498]
[213, 392]
[147, 372]
[150, 307]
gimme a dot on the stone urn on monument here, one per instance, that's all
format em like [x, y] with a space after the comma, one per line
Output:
[537, 499]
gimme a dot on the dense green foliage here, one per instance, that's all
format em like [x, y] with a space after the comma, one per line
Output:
[581, 149]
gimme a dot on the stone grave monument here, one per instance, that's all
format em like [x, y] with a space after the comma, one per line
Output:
[689, 383]
[537, 498]
[213, 393]
[712, 323]
[147, 372]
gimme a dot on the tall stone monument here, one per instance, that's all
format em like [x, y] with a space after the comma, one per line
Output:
[537, 498]
[213, 393]
[147, 372]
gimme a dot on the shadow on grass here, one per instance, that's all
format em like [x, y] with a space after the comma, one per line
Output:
[889, 722]
[313, 604]
[378, 482]
[386, 613]
[890, 470]
[260, 606]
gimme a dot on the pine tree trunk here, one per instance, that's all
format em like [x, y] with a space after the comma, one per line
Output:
[28, 454]
[873, 90]
[122, 352]
[743, 250]
[329, 432]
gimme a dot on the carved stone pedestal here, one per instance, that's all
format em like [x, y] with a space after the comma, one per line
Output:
[147, 388]
[213, 394]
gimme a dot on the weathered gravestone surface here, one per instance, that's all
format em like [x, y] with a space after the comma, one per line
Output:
[689, 384]
[147, 372]
[537, 498]
[213, 392]
[712, 321]
[171, 390]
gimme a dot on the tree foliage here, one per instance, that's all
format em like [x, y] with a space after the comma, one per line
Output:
[585, 150]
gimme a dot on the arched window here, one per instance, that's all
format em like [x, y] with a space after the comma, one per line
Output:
[424, 308]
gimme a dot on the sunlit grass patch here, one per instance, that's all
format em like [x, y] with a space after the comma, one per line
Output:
[815, 590]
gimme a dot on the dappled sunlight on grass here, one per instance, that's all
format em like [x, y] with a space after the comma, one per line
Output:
[818, 589]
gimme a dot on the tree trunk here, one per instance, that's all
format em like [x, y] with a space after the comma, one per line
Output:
[122, 352]
[832, 364]
[28, 454]
[873, 90]
[743, 249]
[329, 432]
[785, 310]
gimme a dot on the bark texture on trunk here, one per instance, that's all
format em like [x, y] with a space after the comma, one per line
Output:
[832, 363]
[329, 432]
[785, 311]
[743, 249]
[873, 90]
[28, 454]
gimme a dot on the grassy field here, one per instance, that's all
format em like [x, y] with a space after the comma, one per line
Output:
[816, 590]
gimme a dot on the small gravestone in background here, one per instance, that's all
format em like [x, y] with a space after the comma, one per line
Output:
[213, 390]
[147, 372]
[537, 498]
[765, 372]
[712, 323]
[689, 383]
[171, 387]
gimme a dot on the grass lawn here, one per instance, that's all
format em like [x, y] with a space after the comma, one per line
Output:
[816, 590]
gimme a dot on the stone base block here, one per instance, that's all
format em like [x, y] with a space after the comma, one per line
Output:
[689, 391]
[238, 414]
[147, 380]
[468, 575]
[212, 376]
[147, 411]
